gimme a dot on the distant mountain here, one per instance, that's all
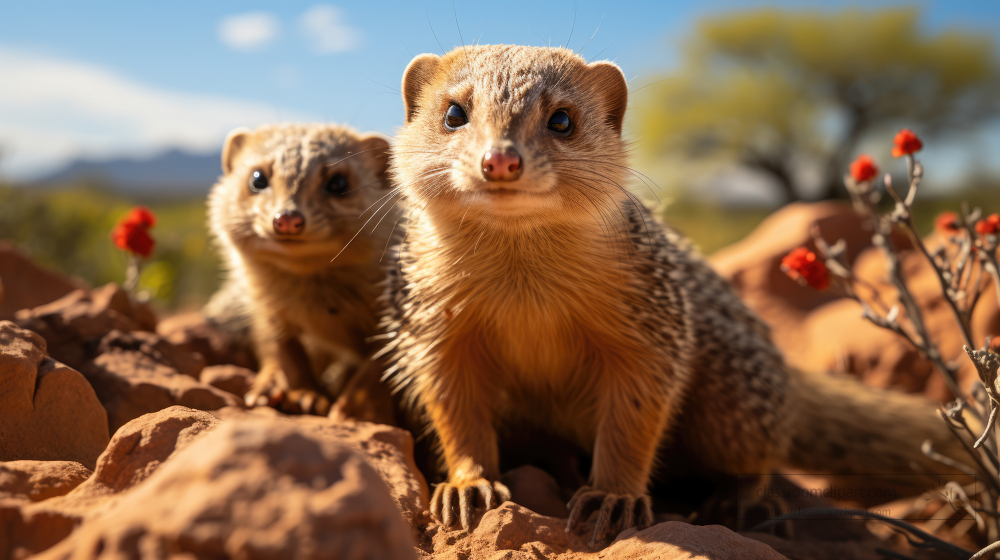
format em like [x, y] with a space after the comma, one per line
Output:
[171, 172]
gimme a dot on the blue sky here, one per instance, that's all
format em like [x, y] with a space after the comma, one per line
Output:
[101, 79]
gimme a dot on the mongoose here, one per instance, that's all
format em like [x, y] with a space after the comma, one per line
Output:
[532, 287]
[303, 268]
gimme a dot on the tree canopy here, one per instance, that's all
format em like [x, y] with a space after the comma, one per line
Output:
[777, 91]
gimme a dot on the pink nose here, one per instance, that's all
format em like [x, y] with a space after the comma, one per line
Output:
[289, 222]
[502, 165]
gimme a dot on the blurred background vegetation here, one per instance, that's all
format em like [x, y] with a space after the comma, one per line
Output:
[67, 228]
[790, 97]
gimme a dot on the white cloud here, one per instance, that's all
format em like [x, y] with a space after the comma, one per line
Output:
[249, 31]
[52, 111]
[327, 31]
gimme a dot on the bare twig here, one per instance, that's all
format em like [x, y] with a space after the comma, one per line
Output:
[927, 540]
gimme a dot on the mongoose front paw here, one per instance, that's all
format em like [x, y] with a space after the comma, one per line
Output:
[261, 396]
[289, 401]
[303, 401]
[458, 502]
[615, 513]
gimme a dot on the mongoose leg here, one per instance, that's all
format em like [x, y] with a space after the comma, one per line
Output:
[469, 443]
[365, 397]
[624, 451]
[284, 380]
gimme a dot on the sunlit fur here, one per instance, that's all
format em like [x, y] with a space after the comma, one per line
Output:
[559, 300]
[520, 295]
[314, 290]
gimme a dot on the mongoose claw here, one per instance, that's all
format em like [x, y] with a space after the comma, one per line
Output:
[263, 397]
[304, 401]
[292, 401]
[458, 502]
[615, 513]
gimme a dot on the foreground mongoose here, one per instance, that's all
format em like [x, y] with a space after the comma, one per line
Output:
[289, 214]
[532, 287]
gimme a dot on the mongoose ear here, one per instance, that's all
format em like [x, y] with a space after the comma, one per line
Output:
[609, 81]
[417, 76]
[231, 147]
[377, 146]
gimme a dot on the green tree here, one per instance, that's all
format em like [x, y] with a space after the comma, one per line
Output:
[779, 91]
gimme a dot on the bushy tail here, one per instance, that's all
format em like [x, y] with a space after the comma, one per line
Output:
[846, 428]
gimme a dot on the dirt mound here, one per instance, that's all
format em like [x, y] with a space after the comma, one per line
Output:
[48, 411]
[820, 331]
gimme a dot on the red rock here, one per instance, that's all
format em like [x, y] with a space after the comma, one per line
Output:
[250, 489]
[753, 264]
[157, 348]
[130, 383]
[232, 379]
[516, 533]
[837, 338]
[134, 454]
[674, 539]
[821, 331]
[22, 536]
[139, 447]
[75, 323]
[25, 284]
[194, 333]
[909, 371]
[47, 410]
[40, 480]
[536, 490]
[387, 449]
[510, 527]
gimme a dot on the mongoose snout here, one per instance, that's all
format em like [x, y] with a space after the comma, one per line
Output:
[289, 222]
[501, 164]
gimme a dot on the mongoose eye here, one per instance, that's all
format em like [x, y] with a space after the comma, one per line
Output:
[455, 117]
[258, 181]
[337, 185]
[560, 123]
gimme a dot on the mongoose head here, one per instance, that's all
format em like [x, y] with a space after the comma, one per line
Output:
[512, 135]
[295, 195]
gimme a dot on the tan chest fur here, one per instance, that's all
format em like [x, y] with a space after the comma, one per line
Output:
[330, 310]
[541, 339]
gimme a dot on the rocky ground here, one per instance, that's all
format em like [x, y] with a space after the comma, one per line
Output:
[122, 436]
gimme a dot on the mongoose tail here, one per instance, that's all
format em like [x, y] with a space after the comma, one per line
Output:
[846, 428]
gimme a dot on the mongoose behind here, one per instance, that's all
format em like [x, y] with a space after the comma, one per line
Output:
[288, 214]
[531, 287]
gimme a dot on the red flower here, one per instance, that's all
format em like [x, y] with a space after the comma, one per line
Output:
[990, 225]
[132, 232]
[906, 142]
[802, 264]
[864, 168]
[947, 222]
[140, 215]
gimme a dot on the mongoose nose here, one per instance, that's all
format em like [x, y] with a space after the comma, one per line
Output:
[289, 222]
[502, 165]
